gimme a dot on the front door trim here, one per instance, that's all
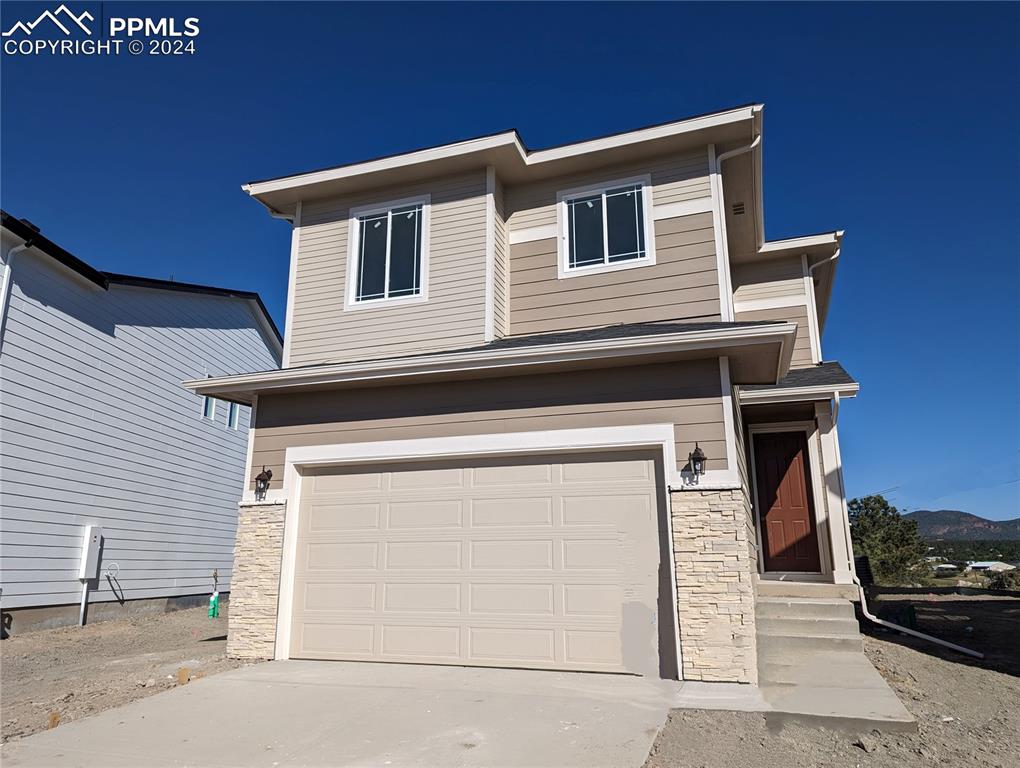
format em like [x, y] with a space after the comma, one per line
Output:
[656, 436]
[821, 522]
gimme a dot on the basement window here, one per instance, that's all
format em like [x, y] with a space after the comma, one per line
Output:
[604, 228]
[389, 247]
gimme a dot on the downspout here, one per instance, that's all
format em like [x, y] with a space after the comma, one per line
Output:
[853, 571]
[5, 286]
[832, 258]
[719, 160]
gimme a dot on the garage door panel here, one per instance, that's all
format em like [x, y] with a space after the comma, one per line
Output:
[500, 643]
[442, 513]
[513, 562]
[509, 599]
[343, 517]
[512, 554]
[341, 556]
[511, 511]
[422, 641]
[337, 596]
[511, 476]
[417, 597]
[424, 555]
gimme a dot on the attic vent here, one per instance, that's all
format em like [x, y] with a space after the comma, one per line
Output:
[738, 209]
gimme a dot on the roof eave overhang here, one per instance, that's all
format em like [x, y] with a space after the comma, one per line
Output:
[515, 361]
[505, 151]
[797, 394]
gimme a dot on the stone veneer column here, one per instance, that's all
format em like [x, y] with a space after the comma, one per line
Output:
[714, 547]
[255, 582]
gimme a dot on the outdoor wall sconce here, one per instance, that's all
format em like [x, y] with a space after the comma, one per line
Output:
[697, 461]
[262, 483]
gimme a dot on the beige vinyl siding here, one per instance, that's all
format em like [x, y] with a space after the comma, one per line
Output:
[682, 284]
[686, 394]
[454, 314]
[768, 279]
[797, 314]
[674, 179]
[501, 280]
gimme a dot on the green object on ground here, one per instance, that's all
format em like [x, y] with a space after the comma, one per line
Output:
[214, 605]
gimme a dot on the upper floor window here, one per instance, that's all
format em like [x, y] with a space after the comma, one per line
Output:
[389, 253]
[209, 408]
[606, 227]
[232, 415]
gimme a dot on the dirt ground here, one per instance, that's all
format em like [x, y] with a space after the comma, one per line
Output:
[78, 671]
[968, 711]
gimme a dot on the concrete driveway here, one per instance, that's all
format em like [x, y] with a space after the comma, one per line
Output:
[306, 713]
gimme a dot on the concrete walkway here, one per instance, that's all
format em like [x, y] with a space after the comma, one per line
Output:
[304, 713]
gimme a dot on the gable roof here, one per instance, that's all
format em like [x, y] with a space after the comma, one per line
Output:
[34, 238]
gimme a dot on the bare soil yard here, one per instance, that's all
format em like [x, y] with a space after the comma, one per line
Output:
[78, 671]
[968, 711]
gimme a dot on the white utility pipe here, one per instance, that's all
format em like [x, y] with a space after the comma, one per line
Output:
[84, 599]
[871, 617]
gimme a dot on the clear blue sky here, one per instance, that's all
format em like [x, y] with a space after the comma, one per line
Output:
[895, 122]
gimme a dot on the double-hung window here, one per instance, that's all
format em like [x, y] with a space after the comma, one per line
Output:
[605, 228]
[389, 253]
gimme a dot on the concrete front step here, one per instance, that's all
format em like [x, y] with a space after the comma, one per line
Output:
[769, 642]
[802, 626]
[793, 668]
[770, 588]
[804, 608]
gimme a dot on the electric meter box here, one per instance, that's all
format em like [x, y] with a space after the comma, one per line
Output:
[89, 567]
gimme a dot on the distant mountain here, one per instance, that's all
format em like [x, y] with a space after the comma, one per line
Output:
[962, 526]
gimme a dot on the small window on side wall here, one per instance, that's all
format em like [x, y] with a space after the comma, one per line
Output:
[209, 408]
[233, 415]
[389, 254]
[605, 228]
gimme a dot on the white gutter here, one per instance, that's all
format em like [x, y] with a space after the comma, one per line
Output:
[487, 360]
[791, 394]
[5, 286]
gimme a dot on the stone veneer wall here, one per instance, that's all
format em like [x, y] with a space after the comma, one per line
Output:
[714, 547]
[255, 581]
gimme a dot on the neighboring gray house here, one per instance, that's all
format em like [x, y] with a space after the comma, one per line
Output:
[95, 428]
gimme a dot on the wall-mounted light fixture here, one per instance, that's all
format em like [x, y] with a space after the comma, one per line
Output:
[262, 483]
[697, 461]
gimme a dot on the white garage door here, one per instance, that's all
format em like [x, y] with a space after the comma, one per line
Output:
[524, 562]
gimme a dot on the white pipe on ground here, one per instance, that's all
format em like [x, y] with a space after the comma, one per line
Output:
[913, 632]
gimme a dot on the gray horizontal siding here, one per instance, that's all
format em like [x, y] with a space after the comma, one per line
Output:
[98, 430]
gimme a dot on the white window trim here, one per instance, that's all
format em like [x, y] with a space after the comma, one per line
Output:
[212, 411]
[353, 255]
[562, 229]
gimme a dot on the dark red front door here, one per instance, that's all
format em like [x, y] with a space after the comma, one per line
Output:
[785, 502]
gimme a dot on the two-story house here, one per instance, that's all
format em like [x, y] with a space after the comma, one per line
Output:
[97, 436]
[562, 408]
